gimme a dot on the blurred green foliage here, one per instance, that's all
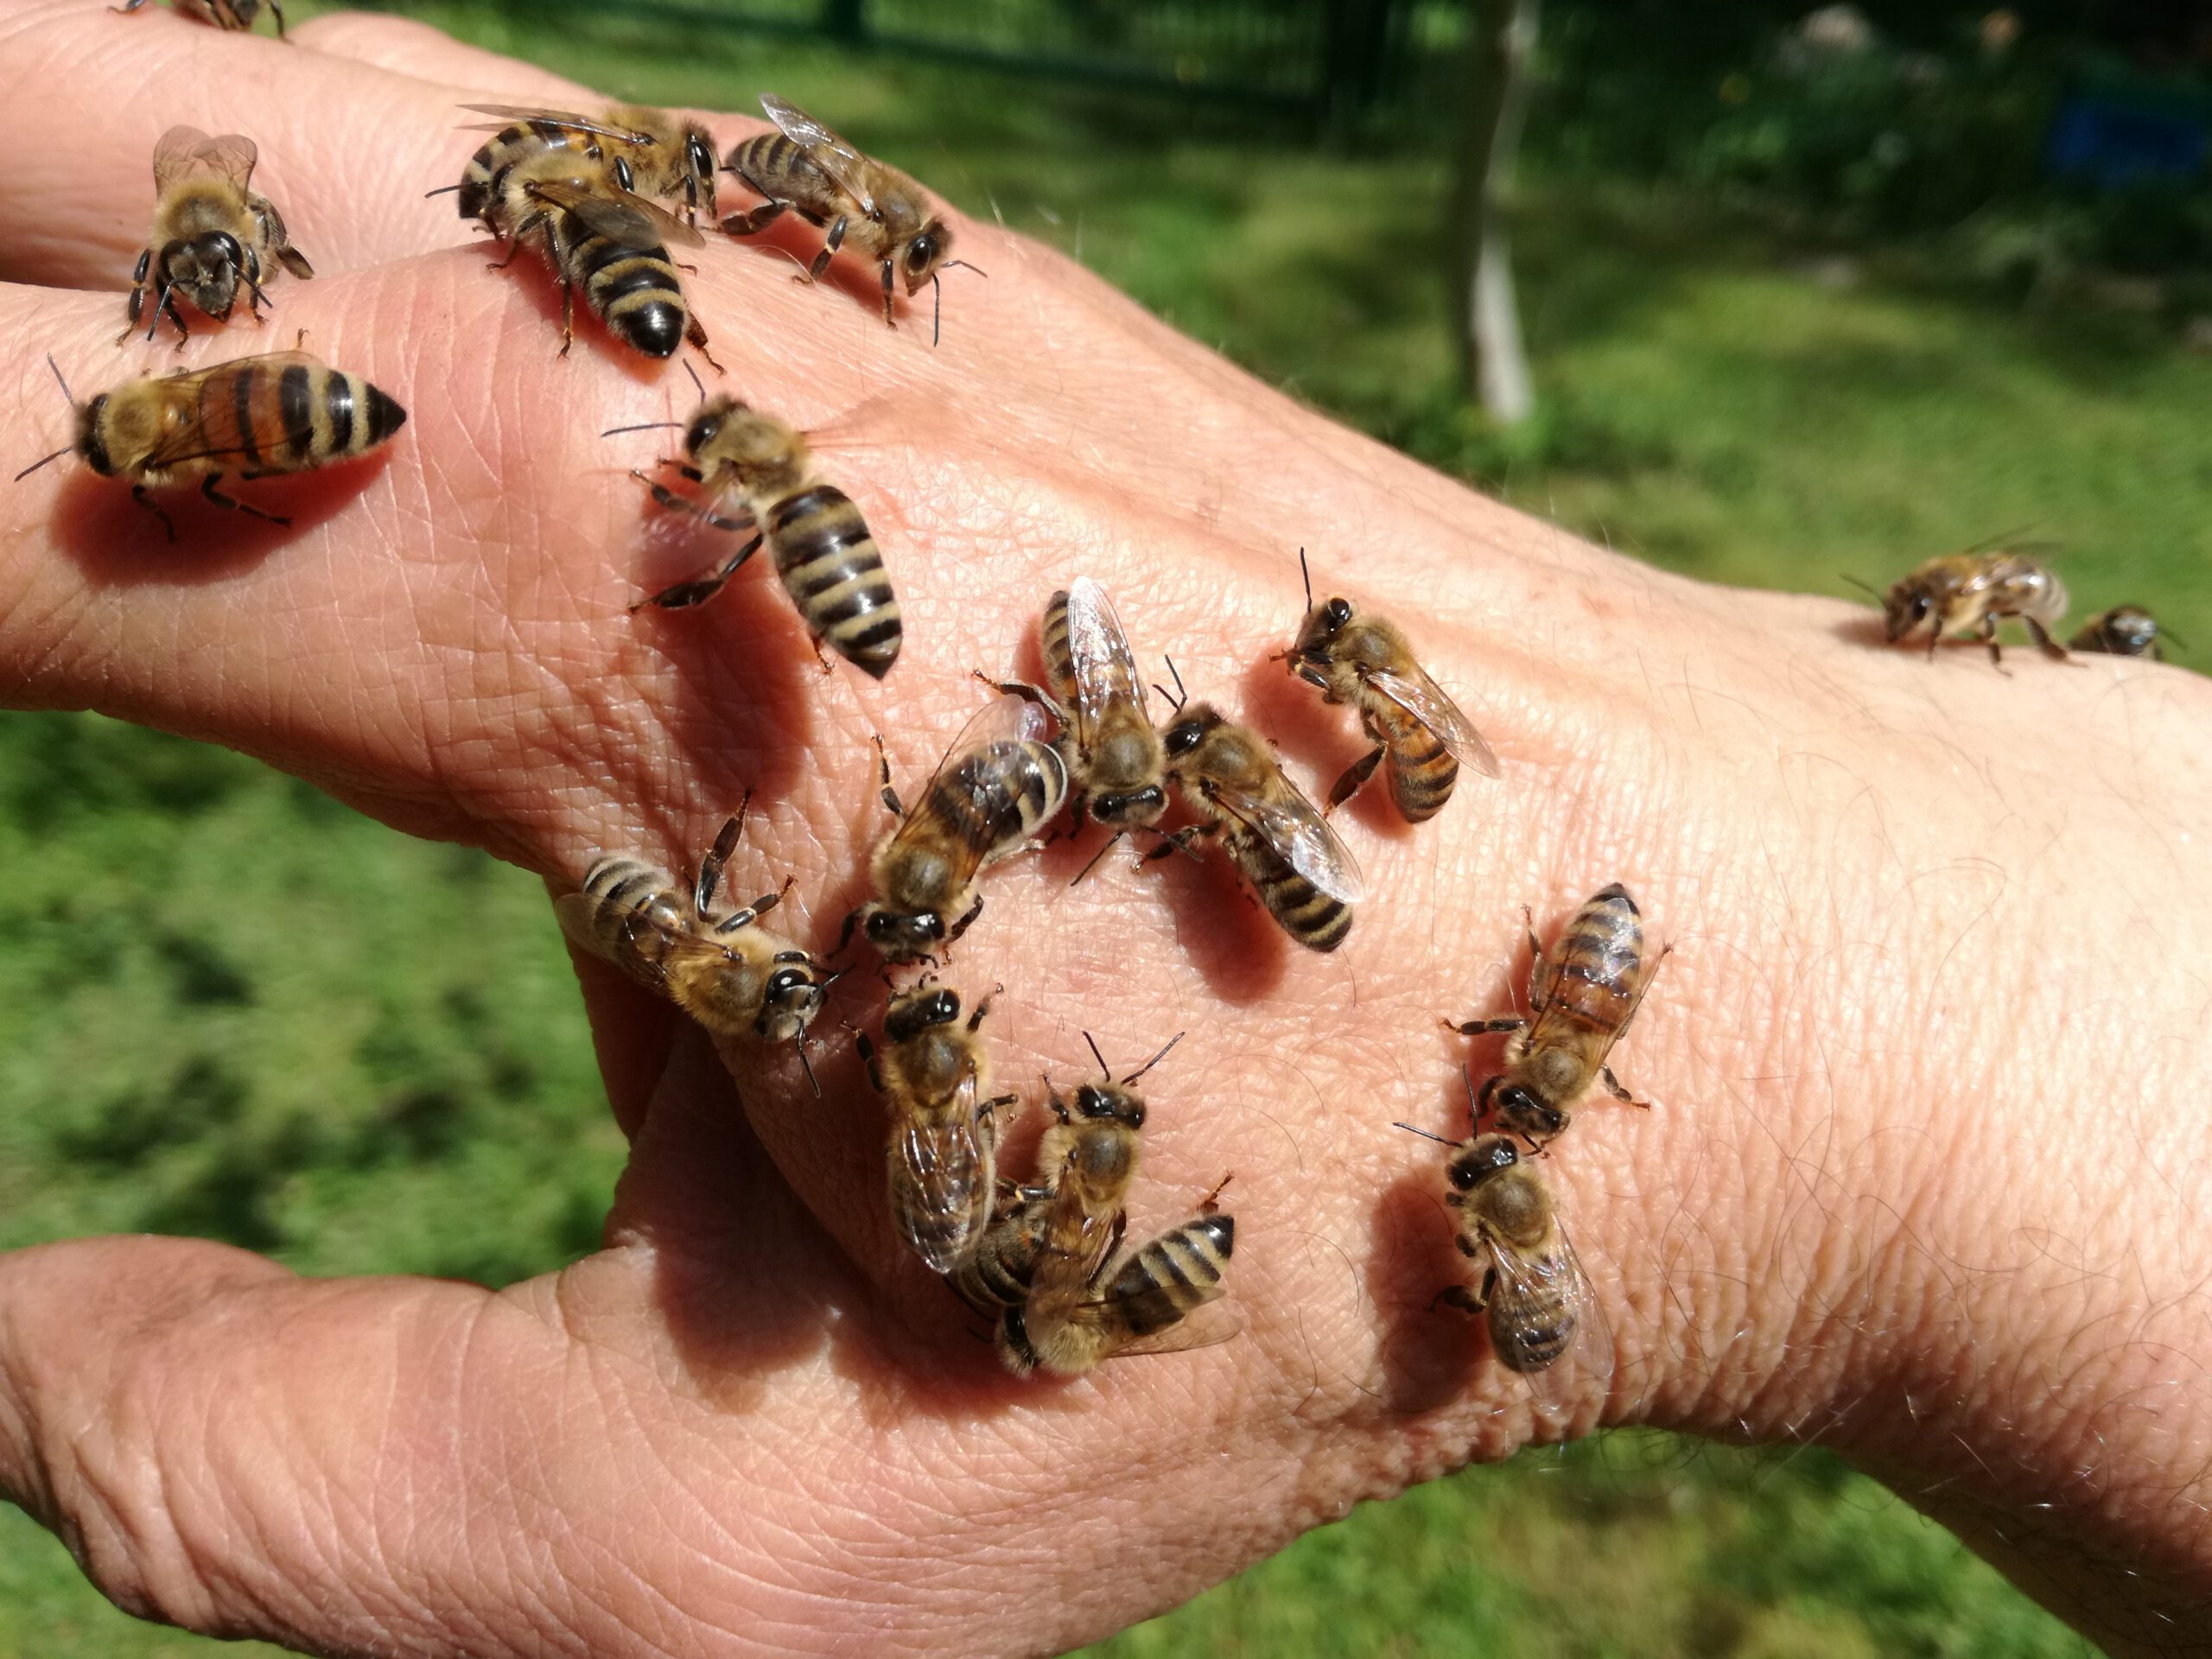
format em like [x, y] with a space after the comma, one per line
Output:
[228, 1007]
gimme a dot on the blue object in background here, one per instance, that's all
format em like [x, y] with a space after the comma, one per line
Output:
[2113, 144]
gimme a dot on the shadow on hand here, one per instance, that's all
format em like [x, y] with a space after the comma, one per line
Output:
[1427, 1350]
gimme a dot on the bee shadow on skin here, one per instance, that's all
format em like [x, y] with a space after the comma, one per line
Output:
[1238, 949]
[791, 244]
[1327, 737]
[115, 543]
[541, 291]
[1427, 1352]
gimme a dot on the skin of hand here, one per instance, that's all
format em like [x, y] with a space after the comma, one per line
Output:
[1925, 1179]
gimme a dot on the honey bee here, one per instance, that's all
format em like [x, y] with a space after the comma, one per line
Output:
[944, 1146]
[601, 238]
[2123, 631]
[1973, 590]
[986, 802]
[224, 14]
[807, 169]
[212, 232]
[1115, 760]
[1229, 777]
[1580, 1001]
[749, 463]
[663, 155]
[1074, 1317]
[1366, 662]
[729, 972]
[256, 416]
[487, 181]
[1535, 1297]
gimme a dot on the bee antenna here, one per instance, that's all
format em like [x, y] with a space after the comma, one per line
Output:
[807, 1066]
[39, 462]
[696, 380]
[1178, 697]
[1105, 1069]
[937, 307]
[1864, 586]
[1306, 576]
[1153, 1061]
[1425, 1135]
[442, 190]
[964, 265]
[64, 384]
[642, 426]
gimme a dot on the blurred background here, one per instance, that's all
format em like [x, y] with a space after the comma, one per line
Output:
[1764, 293]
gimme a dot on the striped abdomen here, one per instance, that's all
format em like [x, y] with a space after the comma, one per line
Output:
[619, 892]
[1059, 656]
[780, 169]
[835, 575]
[483, 182]
[1422, 770]
[944, 1181]
[263, 416]
[1596, 973]
[1307, 914]
[998, 1275]
[631, 286]
[995, 797]
[1530, 1330]
[1178, 1272]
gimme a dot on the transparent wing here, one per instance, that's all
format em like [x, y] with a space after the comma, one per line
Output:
[1205, 1327]
[619, 216]
[1002, 720]
[1555, 1284]
[189, 442]
[184, 152]
[1105, 667]
[1299, 836]
[829, 152]
[510, 113]
[1428, 703]
[944, 1159]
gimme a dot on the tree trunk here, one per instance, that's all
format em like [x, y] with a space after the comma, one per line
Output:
[1494, 366]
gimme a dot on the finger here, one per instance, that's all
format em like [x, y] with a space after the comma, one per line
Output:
[347, 148]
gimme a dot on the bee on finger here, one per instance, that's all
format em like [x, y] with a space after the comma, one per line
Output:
[727, 971]
[1534, 1294]
[2123, 631]
[224, 14]
[256, 416]
[986, 802]
[1229, 777]
[876, 210]
[213, 232]
[659, 155]
[1366, 662]
[1116, 764]
[756, 473]
[601, 238]
[1973, 591]
[1581, 998]
[943, 1151]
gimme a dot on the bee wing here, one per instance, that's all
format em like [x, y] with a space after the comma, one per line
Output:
[181, 152]
[1555, 1279]
[1205, 1327]
[829, 152]
[510, 113]
[945, 1161]
[616, 214]
[1429, 703]
[189, 441]
[1105, 667]
[1297, 834]
[1003, 719]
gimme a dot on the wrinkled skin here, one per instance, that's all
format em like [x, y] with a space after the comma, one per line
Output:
[1925, 1179]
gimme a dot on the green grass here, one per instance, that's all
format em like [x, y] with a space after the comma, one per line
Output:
[340, 1093]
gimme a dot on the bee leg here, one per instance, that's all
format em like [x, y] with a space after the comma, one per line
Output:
[697, 336]
[207, 489]
[568, 316]
[757, 220]
[845, 934]
[1355, 777]
[1457, 1296]
[138, 494]
[1989, 639]
[669, 498]
[889, 320]
[278, 12]
[983, 1008]
[168, 305]
[1028, 693]
[699, 590]
[966, 921]
[2044, 642]
[889, 796]
[820, 661]
[865, 1050]
[1111, 842]
[1613, 1088]
[529, 223]
[1484, 1027]
[831, 243]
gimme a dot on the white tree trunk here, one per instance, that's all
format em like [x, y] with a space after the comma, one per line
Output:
[1495, 361]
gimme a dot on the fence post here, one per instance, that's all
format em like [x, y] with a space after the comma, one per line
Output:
[845, 20]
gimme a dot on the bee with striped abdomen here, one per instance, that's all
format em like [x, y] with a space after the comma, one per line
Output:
[212, 232]
[754, 465]
[1976, 589]
[256, 416]
[1580, 1001]
[656, 154]
[1534, 1294]
[1366, 661]
[2123, 631]
[943, 1151]
[985, 802]
[1228, 775]
[1115, 760]
[876, 210]
[604, 240]
[224, 14]
[727, 972]
[485, 183]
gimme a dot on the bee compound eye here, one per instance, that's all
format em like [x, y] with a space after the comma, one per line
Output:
[623, 175]
[921, 253]
[1339, 612]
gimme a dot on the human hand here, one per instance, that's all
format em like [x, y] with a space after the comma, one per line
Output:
[1856, 1213]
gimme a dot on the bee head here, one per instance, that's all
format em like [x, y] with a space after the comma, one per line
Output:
[1130, 807]
[1324, 626]
[1520, 1109]
[699, 163]
[1485, 1156]
[912, 1013]
[1110, 1101]
[90, 443]
[716, 417]
[207, 270]
[1907, 610]
[1187, 733]
[924, 252]
[793, 997]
